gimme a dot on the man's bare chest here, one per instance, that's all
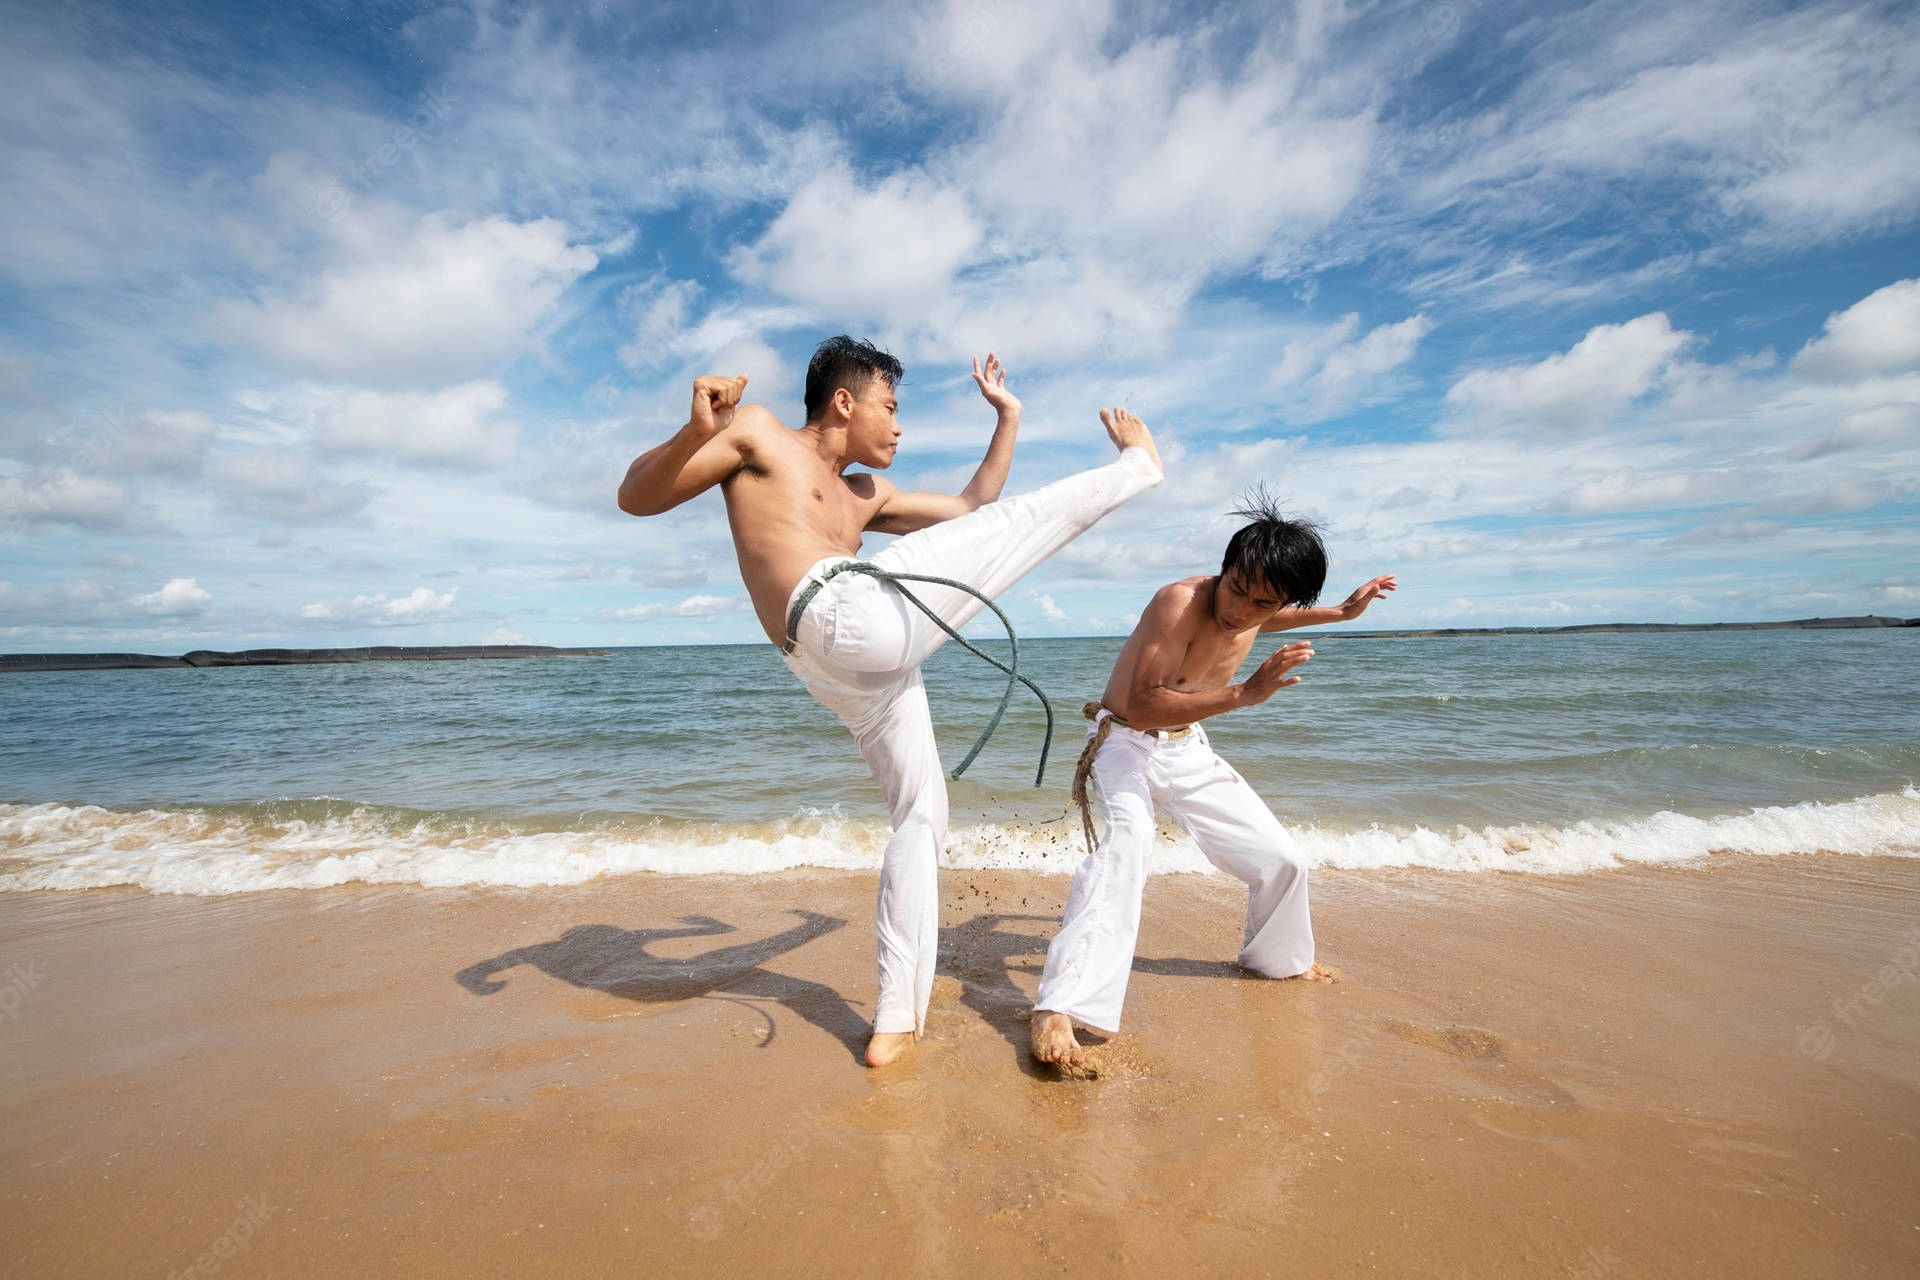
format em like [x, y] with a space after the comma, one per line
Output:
[836, 507]
[1211, 660]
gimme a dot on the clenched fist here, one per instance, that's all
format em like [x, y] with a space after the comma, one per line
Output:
[714, 400]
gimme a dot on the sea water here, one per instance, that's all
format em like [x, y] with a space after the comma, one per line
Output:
[1546, 753]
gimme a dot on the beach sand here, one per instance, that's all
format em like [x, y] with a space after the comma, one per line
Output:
[1705, 1070]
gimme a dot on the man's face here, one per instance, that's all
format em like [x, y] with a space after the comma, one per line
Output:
[1242, 604]
[873, 431]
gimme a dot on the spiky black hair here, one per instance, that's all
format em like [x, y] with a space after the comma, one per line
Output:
[1286, 553]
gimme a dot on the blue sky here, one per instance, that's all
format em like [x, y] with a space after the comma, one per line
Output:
[338, 324]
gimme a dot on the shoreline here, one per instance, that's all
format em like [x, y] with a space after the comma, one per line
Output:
[31, 662]
[1635, 1071]
[25, 662]
[1862, 622]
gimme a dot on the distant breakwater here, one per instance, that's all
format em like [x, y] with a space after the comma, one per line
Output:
[1635, 628]
[284, 657]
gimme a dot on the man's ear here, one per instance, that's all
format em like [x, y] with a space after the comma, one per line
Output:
[843, 402]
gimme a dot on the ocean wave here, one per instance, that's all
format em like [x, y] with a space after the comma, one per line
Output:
[308, 845]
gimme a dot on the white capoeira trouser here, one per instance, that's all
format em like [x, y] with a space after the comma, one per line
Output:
[1092, 956]
[858, 650]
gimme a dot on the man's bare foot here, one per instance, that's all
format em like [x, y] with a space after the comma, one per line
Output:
[1128, 432]
[1053, 1042]
[1318, 973]
[887, 1046]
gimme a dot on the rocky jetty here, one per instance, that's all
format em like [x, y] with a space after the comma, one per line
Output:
[284, 657]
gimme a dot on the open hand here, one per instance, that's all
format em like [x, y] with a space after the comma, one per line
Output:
[992, 382]
[1365, 594]
[714, 400]
[1271, 675]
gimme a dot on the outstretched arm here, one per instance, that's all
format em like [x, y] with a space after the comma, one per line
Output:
[905, 512]
[1346, 611]
[698, 456]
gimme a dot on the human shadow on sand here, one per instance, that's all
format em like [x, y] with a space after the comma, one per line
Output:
[984, 955]
[1173, 967]
[605, 957]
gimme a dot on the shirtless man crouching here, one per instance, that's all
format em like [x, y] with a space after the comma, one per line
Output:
[798, 516]
[1146, 747]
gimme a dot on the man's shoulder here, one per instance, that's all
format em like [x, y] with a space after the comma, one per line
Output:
[765, 444]
[1180, 602]
[757, 422]
[1185, 593]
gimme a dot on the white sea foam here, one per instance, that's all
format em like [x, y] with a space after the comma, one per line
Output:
[51, 846]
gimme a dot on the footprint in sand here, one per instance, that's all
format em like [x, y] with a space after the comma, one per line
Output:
[1512, 1102]
[1458, 1042]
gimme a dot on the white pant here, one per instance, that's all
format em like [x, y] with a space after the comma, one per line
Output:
[1092, 956]
[858, 650]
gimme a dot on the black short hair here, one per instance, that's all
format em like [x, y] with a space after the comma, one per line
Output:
[1287, 554]
[841, 362]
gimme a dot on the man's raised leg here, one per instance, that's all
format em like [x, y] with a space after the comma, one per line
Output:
[998, 544]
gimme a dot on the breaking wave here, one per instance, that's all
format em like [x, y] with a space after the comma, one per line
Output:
[322, 843]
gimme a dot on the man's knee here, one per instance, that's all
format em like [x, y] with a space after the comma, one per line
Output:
[1282, 865]
[1128, 830]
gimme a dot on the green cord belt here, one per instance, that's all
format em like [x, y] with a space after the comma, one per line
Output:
[1013, 644]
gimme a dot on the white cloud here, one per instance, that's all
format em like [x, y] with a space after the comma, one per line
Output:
[662, 314]
[1603, 373]
[1851, 494]
[280, 484]
[422, 604]
[1882, 424]
[1048, 609]
[64, 496]
[1742, 531]
[178, 598]
[1629, 490]
[87, 195]
[1116, 174]
[1713, 129]
[1131, 146]
[670, 348]
[1880, 334]
[456, 427]
[414, 302]
[612, 109]
[1335, 369]
[881, 251]
[701, 606]
[157, 440]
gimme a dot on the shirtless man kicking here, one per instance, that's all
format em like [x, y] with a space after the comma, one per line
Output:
[857, 643]
[1146, 747]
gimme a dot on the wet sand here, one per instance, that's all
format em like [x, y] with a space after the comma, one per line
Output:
[1709, 1070]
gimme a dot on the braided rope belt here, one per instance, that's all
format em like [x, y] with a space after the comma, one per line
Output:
[1083, 771]
[1011, 668]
